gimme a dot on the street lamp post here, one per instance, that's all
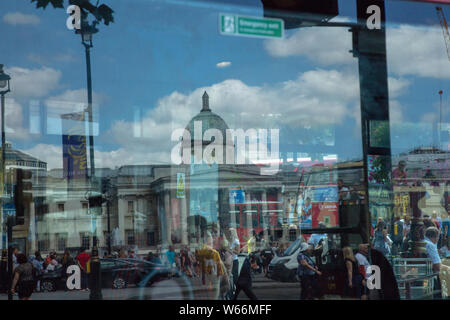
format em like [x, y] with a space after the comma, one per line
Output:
[440, 117]
[86, 31]
[4, 89]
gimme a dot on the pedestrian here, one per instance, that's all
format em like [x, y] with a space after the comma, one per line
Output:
[235, 247]
[431, 239]
[131, 254]
[353, 278]
[37, 265]
[427, 223]
[308, 273]
[306, 217]
[82, 259]
[406, 230]
[227, 258]
[399, 174]
[380, 241]
[66, 261]
[53, 263]
[15, 253]
[211, 266]
[23, 278]
[315, 238]
[397, 236]
[266, 257]
[244, 281]
[251, 243]
[363, 263]
[122, 254]
[185, 261]
[343, 191]
[170, 255]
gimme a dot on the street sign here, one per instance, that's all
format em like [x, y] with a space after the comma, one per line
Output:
[236, 25]
[180, 185]
[237, 196]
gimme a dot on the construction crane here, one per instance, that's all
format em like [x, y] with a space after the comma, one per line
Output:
[444, 25]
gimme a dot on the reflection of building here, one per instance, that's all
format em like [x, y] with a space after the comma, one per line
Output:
[158, 205]
[24, 235]
[427, 170]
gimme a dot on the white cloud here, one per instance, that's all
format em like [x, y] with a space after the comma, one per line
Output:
[326, 46]
[397, 86]
[61, 57]
[33, 83]
[303, 101]
[411, 50]
[72, 101]
[417, 51]
[14, 121]
[313, 98]
[223, 64]
[17, 18]
[53, 156]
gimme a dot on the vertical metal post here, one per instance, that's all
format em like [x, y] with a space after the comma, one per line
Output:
[3, 169]
[96, 290]
[369, 46]
[89, 94]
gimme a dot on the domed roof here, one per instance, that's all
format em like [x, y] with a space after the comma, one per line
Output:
[209, 120]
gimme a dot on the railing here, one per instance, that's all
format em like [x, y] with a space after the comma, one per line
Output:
[415, 278]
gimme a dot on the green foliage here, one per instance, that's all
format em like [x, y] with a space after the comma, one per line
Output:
[102, 12]
[44, 3]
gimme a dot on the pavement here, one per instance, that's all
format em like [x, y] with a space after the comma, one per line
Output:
[174, 289]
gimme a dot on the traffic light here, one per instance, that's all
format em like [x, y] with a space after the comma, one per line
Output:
[300, 13]
[23, 195]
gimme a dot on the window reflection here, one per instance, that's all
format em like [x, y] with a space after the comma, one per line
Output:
[321, 152]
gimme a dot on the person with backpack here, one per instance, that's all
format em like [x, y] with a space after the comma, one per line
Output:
[307, 271]
[24, 278]
[37, 271]
[82, 259]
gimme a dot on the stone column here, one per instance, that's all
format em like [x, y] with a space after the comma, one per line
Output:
[183, 221]
[168, 216]
[122, 211]
[32, 230]
[263, 213]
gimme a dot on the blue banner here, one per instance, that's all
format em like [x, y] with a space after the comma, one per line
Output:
[74, 146]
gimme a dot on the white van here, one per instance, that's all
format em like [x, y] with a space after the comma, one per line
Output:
[284, 268]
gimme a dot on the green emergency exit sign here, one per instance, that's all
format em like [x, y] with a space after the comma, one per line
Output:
[236, 25]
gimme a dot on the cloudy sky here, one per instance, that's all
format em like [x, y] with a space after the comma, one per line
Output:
[151, 67]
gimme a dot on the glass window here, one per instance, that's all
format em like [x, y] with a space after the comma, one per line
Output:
[222, 118]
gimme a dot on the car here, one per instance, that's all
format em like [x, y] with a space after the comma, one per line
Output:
[115, 273]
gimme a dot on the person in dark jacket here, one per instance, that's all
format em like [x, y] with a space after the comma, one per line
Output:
[23, 278]
[244, 281]
[308, 273]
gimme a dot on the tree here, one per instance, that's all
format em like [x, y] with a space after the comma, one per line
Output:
[102, 12]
